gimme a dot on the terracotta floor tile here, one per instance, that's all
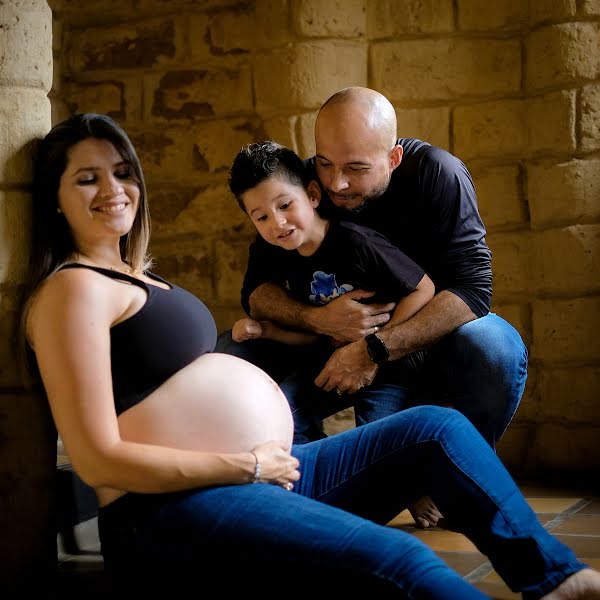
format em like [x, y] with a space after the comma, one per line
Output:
[404, 518]
[543, 519]
[551, 505]
[441, 540]
[579, 524]
[582, 545]
[497, 591]
[592, 562]
[493, 577]
[463, 562]
[544, 490]
[593, 508]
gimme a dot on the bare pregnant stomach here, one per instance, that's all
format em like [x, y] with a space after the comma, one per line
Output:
[217, 403]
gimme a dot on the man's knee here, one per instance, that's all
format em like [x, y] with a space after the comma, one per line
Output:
[492, 342]
[485, 362]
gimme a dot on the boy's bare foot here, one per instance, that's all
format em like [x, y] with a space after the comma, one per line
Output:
[583, 585]
[425, 513]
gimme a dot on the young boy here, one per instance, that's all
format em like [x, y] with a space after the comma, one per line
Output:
[320, 260]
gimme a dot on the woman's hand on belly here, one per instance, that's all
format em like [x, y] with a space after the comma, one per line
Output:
[277, 465]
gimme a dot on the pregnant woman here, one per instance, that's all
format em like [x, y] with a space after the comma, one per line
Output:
[172, 435]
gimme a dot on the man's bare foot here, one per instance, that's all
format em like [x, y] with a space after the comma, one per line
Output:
[425, 513]
[583, 585]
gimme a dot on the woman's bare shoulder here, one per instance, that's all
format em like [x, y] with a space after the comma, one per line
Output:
[70, 294]
[69, 285]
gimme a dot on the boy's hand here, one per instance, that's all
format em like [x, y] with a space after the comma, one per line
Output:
[246, 329]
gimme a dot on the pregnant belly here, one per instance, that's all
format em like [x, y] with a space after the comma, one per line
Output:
[217, 403]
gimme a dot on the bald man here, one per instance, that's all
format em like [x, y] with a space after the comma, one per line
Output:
[421, 198]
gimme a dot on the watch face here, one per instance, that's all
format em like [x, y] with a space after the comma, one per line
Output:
[378, 351]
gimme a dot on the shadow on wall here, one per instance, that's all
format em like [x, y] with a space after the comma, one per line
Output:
[28, 435]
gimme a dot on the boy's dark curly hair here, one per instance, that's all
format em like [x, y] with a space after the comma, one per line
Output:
[261, 160]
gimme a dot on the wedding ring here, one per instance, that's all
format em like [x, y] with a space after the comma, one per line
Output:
[339, 392]
[289, 486]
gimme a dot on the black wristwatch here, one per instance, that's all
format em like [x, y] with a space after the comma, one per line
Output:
[378, 351]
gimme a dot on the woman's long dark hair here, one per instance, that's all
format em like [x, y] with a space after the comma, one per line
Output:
[52, 242]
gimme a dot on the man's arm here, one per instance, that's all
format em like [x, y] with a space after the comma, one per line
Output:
[350, 368]
[444, 313]
[464, 263]
[346, 318]
[463, 269]
[269, 301]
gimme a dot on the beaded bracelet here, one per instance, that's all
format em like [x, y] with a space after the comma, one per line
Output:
[256, 469]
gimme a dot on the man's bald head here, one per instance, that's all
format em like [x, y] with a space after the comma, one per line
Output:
[359, 106]
[356, 150]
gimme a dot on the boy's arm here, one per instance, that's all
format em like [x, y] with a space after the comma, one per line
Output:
[413, 302]
[250, 329]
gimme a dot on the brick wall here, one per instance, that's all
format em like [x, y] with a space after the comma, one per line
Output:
[513, 89]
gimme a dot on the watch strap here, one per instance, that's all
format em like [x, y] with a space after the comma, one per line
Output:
[379, 353]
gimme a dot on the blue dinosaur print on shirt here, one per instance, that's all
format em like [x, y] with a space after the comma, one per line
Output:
[324, 288]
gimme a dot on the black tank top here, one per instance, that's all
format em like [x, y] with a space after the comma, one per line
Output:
[172, 329]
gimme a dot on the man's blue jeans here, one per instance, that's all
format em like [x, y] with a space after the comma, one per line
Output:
[333, 522]
[480, 369]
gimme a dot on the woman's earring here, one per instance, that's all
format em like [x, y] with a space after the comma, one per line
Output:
[58, 210]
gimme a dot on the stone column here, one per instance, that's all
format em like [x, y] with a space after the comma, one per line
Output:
[27, 438]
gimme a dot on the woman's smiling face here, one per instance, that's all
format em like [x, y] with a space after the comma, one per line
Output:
[98, 192]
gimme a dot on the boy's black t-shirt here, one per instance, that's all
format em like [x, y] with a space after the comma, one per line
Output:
[429, 211]
[351, 257]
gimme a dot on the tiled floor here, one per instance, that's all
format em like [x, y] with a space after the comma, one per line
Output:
[572, 515]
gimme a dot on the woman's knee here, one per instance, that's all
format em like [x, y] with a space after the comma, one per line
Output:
[433, 412]
[432, 422]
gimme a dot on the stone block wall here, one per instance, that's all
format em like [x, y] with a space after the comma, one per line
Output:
[511, 87]
[27, 436]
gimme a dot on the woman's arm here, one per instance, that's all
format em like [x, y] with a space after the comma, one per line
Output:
[68, 327]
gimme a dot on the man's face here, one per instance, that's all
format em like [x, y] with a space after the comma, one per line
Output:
[353, 164]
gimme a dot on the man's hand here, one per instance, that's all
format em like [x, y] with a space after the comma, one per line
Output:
[348, 369]
[346, 319]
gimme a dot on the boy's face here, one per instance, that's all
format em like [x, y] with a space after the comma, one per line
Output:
[284, 214]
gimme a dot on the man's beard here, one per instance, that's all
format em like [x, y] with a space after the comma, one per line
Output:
[373, 195]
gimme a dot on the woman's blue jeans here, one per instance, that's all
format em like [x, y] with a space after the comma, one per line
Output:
[333, 523]
[480, 369]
